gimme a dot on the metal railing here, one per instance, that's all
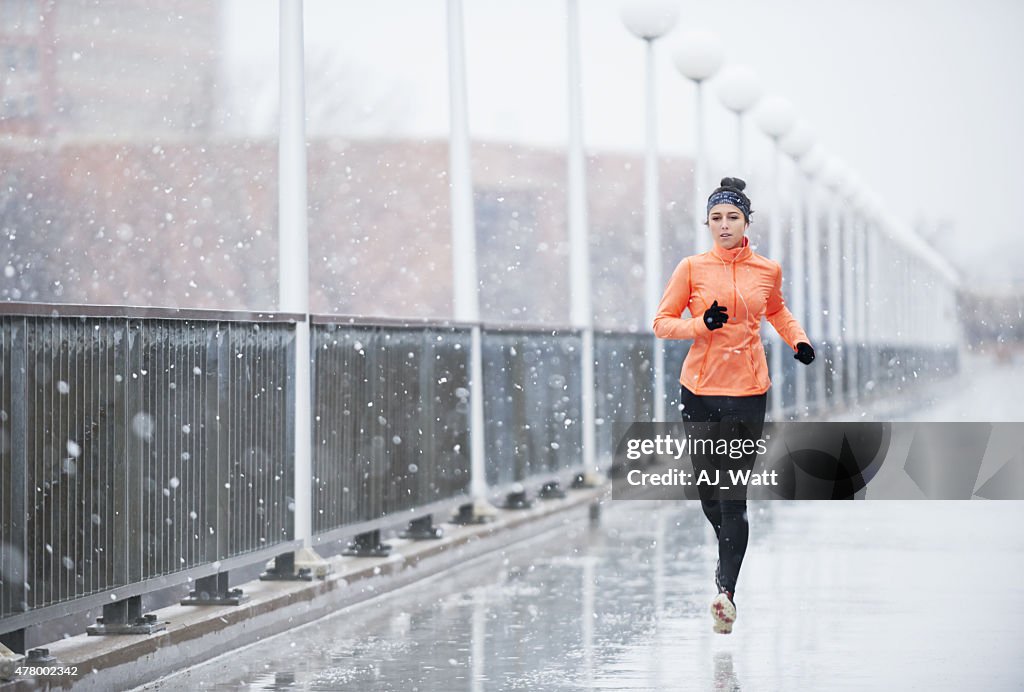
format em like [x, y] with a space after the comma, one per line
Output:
[390, 419]
[532, 402]
[135, 449]
[624, 380]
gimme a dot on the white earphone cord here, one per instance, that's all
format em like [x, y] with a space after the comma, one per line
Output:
[746, 308]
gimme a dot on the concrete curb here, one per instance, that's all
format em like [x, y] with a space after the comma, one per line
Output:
[196, 634]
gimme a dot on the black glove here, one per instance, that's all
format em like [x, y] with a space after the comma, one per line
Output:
[804, 353]
[715, 316]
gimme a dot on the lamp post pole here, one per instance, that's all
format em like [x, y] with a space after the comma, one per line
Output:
[293, 244]
[464, 275]
[862, 261]
[796, 143]
[650, 21]
[832, 175]
[581, 312]
[849, 315]
[698, 57]
[811, 165]
[738, 91]
[776, 117]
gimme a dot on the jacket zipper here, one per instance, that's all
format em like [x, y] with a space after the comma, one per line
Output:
[735, 307]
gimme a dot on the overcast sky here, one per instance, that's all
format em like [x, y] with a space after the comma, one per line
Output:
[923, 98]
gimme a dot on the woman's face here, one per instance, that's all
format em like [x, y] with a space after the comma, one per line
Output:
[727, 225]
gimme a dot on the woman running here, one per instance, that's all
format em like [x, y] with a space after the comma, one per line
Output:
[725, 375]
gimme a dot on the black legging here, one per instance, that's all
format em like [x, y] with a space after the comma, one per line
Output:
[744, 416]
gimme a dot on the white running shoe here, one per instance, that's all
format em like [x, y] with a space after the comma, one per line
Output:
[723, 610]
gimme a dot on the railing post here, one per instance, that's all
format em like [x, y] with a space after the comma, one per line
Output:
[125, 617]
[221, 495]
[128, 485]
[17, 574]
[216, 355]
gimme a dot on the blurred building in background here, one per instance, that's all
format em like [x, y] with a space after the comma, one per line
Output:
[188, 224]
[26, 91]
[108, 68]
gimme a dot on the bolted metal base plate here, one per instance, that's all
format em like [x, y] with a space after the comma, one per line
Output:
[299, 574]
[422, 529]
[234, 597]
[551, 491]
[367, 545]
[300, 565]
[427, 534]
[518, 500]
[478, 512]
[588, 479]
[362, 550]
[147, 624]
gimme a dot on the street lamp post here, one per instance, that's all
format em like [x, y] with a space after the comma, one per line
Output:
[466, 296]
[650, 21]
[856, 259]
[868, 339]
[293, 243]
[811, 165]
[775, 115]
[874, 280]
[796, 143]
[832, 177]
[582, 314]
[863, 262]
[698, 57]
[849, 297]
[738, 91]
[293, 284]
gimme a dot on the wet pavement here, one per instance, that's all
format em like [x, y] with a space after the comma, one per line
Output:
[833, 595]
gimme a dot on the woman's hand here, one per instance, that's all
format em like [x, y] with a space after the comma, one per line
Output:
[715, 317]
[804, 353]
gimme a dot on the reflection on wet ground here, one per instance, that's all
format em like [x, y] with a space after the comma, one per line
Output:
[833, 595]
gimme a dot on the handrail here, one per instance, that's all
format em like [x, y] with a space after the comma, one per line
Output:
[142, 312]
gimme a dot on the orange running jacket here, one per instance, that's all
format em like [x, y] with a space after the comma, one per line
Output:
[729, 361]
